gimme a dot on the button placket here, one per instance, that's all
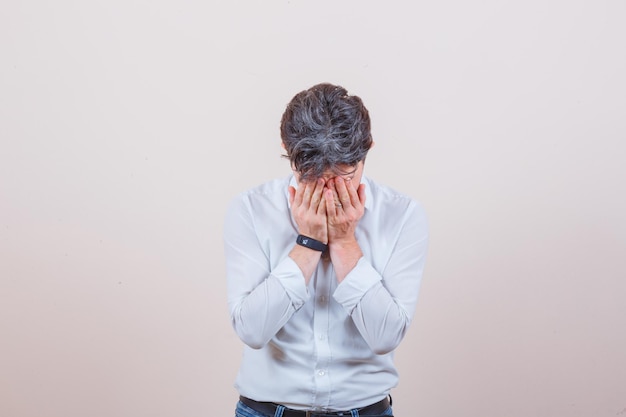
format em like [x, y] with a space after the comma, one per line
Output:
[320, 328]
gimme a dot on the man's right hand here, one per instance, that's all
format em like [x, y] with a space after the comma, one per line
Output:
[309, 209]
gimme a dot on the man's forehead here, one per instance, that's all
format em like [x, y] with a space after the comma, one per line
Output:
[347, 171]
[341, 170]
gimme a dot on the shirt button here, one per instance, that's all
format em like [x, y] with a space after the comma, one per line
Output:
[321, 373]
[322, 336]
[322, 300]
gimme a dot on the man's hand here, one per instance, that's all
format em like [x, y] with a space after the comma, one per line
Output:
[309, 211]
[345, 206]
[308, 208]
[344, 213]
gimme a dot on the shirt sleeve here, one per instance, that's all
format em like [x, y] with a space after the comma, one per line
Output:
[261, 299]
[381, 303]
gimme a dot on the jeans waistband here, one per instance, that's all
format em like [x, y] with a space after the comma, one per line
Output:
[270, 409]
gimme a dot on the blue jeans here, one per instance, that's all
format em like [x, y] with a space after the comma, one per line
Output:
[243, 410]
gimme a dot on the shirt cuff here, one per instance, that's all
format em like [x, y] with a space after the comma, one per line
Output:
[354, 286]
[288, 273]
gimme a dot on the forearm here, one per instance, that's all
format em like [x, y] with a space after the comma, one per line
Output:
[381, 320]
[259, 315]
[382, 303]
[306, 259]
[344, 256]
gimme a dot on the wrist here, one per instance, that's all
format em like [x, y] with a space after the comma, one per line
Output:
[344, 255]
[349, 247]
[344, 242]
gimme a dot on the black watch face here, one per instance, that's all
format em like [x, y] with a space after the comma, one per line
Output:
[310, 243]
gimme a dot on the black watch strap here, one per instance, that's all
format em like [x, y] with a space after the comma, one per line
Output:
[309, 242]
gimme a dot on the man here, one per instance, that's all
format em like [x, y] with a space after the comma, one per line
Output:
[323, 270]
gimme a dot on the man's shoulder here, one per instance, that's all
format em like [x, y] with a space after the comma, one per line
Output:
[386, 202]
[382, 194]
[270, 191]
[272, 186]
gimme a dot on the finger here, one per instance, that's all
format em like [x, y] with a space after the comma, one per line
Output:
[298, 193]
[316, 197]
[333, 187]
[342, 190]
[355, 198]
[336, 199]
[321, 208]
[361, 192]
[307, 193]
[331, 205]
[292, 195]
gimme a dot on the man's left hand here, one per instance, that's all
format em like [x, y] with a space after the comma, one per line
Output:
[345, 206]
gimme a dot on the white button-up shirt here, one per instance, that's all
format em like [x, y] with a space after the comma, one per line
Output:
[322, 346]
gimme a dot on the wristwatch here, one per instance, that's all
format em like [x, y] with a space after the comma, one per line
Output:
[309, 242]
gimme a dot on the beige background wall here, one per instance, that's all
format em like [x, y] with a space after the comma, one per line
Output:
[126, 127]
